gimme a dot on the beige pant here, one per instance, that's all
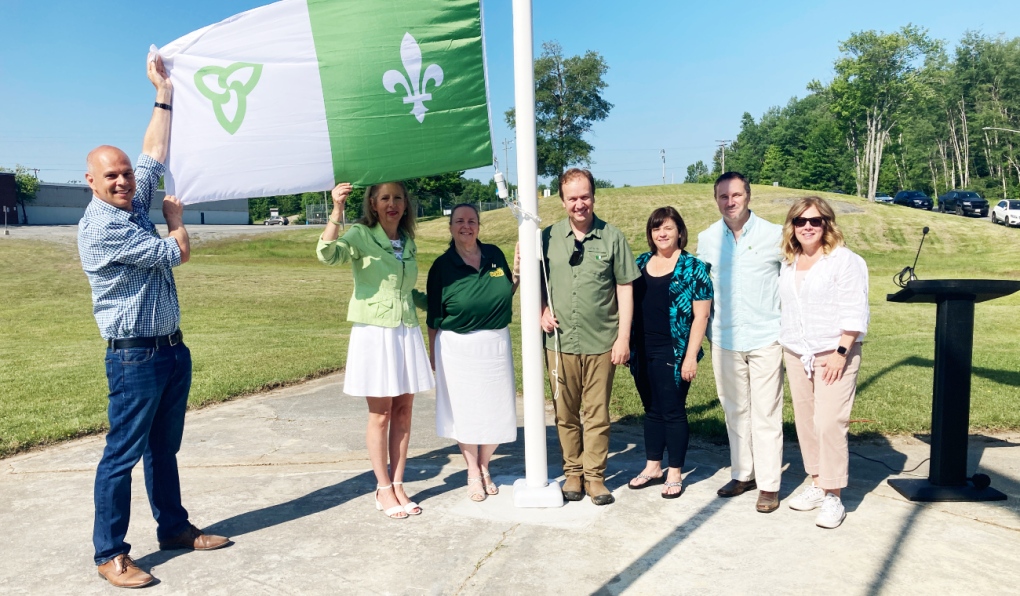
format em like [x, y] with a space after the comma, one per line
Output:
[822, 414]
[750, 386]
[582, 410]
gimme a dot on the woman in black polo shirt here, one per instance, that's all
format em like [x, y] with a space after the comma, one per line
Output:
[470, 296]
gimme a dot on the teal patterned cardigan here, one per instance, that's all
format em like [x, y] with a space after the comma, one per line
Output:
[691, 282]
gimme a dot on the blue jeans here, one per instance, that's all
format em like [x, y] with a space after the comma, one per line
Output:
[148, 399]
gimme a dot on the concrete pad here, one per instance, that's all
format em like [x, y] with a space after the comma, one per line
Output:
[286, 475]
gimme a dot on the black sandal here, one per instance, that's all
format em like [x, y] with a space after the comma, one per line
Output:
[651, 481]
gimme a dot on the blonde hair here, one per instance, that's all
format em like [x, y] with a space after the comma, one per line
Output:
[369, 217]
[831, 238]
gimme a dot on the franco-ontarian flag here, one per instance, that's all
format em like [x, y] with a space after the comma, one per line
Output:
[299, 95]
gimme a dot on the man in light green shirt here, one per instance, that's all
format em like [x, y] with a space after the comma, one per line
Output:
[743, 251]
[587, 326]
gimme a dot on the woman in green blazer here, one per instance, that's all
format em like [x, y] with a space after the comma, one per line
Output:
[386, 359]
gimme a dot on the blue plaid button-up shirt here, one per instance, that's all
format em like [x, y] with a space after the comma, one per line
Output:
[128, 265]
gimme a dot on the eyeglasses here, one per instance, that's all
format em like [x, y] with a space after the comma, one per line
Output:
[578, 254]
[816, 222]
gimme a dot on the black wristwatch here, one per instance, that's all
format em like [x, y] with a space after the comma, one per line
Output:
[841, 351]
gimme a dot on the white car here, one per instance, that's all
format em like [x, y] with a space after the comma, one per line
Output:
[1007, 212]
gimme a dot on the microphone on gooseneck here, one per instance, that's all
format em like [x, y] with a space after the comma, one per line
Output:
[907, 275]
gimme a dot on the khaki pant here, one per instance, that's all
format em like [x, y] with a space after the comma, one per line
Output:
[822, 414]
[585, 383]
[750, 386]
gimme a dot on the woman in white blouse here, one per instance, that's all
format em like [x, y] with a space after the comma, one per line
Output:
[823, 289]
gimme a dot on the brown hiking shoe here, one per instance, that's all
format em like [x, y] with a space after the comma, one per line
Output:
[572, 490]
[598, 492]
[122, 572]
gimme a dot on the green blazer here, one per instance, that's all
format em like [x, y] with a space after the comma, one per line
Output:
[384, 293]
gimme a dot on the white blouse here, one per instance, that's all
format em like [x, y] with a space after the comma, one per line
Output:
[831, 299]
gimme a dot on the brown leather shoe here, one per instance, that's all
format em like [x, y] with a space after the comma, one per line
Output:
[598, 492]
[572, 490]
[736, 487]
[194, 539]
[768, 501]
[122, 572]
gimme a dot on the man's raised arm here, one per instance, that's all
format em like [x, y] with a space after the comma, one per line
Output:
[157, 135]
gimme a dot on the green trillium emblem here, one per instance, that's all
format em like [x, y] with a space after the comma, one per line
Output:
[228, 88]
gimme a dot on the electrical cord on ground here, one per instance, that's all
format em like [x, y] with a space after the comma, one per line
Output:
[892, 469]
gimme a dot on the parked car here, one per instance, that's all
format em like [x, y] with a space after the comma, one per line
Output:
[963, 202]
[913, 198]
[882, 197]
[275, 218]
[1007, 212]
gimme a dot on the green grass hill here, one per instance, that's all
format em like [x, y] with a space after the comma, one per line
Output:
[261, 312]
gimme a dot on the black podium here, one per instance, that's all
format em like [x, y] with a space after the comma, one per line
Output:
[950, 416]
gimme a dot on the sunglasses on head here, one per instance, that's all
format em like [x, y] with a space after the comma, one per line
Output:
[578, 255]
[816, 222]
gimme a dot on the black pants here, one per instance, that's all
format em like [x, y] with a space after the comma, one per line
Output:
[666, 427]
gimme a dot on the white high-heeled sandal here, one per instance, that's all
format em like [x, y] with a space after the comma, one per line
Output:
[411, 508]
[393, 512]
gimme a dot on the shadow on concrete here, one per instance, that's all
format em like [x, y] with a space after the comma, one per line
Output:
[429, 465]
[623, 580]
[886, 568]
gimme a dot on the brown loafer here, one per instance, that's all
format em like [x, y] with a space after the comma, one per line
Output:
[572, 490]
[768, 501]
[598, 492]
[194, 539]
[122, 572]
[736, 487]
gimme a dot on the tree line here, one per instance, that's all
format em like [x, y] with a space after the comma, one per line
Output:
[900, 113]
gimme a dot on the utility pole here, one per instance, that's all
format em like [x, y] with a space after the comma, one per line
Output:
[35, 171]
[662, 152]
[722, 145]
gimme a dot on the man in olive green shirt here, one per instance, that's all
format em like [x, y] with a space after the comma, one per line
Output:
[587, 326]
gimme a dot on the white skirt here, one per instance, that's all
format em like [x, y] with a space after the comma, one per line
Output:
[476, 400]
[386, 362]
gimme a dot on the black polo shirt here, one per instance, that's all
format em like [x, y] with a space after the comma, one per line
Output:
[462, 299]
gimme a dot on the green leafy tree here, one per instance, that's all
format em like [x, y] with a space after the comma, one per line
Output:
[772, 166]
[435, 192]
[568, 101]
[599, 183]
[878, 76]
[696, 172]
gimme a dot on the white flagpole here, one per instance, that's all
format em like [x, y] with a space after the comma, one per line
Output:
[534, 490]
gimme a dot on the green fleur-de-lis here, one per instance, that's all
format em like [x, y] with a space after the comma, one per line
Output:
[231, 82]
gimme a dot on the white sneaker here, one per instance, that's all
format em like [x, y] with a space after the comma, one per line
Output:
[832, 513]
[810, 498]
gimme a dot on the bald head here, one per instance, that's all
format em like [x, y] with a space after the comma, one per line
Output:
[111, 176]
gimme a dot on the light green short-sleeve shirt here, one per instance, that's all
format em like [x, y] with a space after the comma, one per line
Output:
[584, 295]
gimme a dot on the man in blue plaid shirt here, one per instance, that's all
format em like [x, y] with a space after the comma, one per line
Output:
[148, 367]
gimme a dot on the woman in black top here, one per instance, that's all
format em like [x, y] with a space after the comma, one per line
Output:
[672, 302]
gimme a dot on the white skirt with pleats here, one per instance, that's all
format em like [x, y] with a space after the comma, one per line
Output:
[386, 362]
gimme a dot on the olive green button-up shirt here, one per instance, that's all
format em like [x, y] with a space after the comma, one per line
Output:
[584, 295]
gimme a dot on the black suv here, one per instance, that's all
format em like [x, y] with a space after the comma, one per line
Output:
[963, 202]
[913, 198]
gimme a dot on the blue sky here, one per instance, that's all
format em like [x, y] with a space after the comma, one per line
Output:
[681, 73]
